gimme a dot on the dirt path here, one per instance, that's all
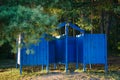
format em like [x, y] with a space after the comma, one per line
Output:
[60, 76]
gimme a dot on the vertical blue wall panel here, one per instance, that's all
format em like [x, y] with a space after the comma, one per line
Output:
[39, 57]
[79, 48]
[94, 49]
[71, 49]
[52, 51]
[60, 50]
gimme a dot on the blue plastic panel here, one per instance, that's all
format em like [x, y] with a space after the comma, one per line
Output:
[60, 54]
[60, 50]
[71, 49]
[94, 49]
[79, 48]
[52, 51]
[39, 57]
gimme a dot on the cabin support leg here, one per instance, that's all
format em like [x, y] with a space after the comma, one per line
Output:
[20, 70]
[42, 67]
[54, 66]
[47, 68]
[84, 67]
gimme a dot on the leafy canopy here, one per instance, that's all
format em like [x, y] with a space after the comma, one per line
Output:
[35, 17]
[32, 22]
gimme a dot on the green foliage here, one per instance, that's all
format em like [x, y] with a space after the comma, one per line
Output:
[31, 22]
[32, 18]
[117, 9]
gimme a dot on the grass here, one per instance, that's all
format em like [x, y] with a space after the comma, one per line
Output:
[13, 74]
[9, 72]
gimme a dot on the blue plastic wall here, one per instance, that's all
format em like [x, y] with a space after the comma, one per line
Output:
[39, 57]
[60, 50]
[71, 49]
[94, 49]
[85, 49]
[79, 48]
[52, 53]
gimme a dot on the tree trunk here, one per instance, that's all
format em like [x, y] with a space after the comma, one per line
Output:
[74, 33]
[92, 16]
[108, 24]
[102, 22]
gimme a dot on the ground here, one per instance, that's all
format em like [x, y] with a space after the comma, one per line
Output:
[9, 72]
